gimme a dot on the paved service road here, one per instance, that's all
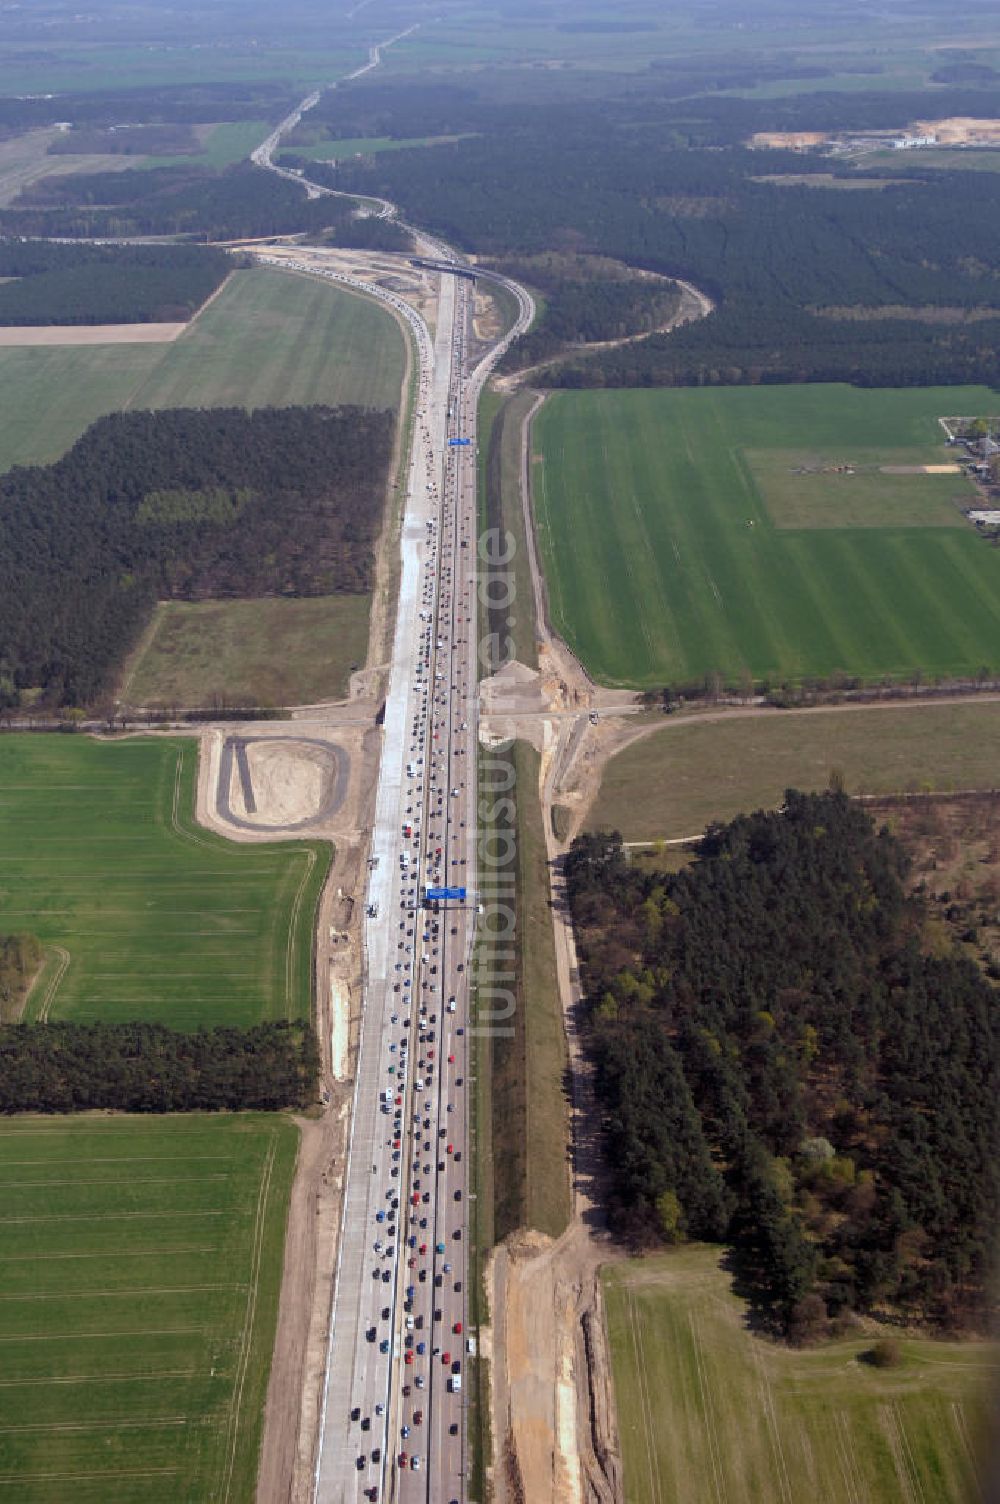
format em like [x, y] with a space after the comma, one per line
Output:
[393, 1418]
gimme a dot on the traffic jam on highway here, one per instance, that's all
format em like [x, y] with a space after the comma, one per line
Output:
[411, 1444]
[399, 1350]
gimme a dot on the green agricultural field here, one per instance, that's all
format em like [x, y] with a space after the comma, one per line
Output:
[274, 338]
[147, 915]
[276, 651]
[225, 143]
[672, 551]
[707, 1411]
[102, 64]
[268, 338]
[673, 783]
[140, 1265]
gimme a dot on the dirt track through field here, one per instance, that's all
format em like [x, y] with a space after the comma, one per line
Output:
[35, 335]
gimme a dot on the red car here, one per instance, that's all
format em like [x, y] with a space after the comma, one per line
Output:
[408, 1356]
[446, 1358]
[457, 1328]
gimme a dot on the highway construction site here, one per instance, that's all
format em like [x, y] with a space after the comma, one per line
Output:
[389, 776]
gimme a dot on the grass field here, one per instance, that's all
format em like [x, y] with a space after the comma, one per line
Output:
[276, 651]
[522, 1062]
[671, 784]
[225, 143]
[267, 339]
[500, 507]
[149, 916]
[140, 1263]
[102, 64]
[707, 1412]
[664, 563]
[851, 489]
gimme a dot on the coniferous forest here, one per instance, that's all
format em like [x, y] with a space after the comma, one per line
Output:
[100, 284]
[648, 175]
[790, 1063]
[144, 1067]
[202, 203]
[186, 505]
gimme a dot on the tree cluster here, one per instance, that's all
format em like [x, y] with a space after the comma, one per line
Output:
[231, 203]
[188, 104]
[586, 300]
[127, 141]
[20, 958]
[680, 103]
[787, 1063]
[144, 1067]
[187, 504]
[67, 284]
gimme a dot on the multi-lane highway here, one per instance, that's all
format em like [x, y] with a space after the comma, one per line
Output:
[263, 155]
[393, 1413]
[393, 1416]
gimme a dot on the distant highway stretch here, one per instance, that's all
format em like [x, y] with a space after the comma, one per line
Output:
[393, 1417]
[263, 155]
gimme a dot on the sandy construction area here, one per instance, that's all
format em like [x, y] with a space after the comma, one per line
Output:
[90, 334]
[960, 130]
[273, 785]
[340, 1028]
[387, 269]
[920, 469]
[291, 781]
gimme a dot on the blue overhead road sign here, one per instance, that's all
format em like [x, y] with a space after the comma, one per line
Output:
[452, 443]
[436, 894]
